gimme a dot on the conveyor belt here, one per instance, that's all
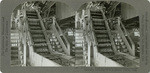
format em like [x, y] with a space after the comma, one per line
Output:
[39, 42]
[15, 61]
[101, 33]
[15, 56]
[79, 56]
[104, 43]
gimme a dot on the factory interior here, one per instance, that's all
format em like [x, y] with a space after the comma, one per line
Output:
[52, 34]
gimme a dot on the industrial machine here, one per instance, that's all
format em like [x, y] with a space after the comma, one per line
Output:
[48, 43]
[105, 41]
[99, 38]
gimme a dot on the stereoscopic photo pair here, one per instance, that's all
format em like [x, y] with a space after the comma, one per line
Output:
[52, 34]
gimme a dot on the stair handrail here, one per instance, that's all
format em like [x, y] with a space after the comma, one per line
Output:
[61, 37]
[129, 43]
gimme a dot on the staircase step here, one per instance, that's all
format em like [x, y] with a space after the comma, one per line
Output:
[79, 52]
[96, 18]
[103, 40]
[99, 21]
[104, 45]
[33, 23]
[96, 14]
[79, 55]
[98, 25]
[14, 51]
[33, 20]
[100, 31]
[33, 17]
[79, 38]
[78, 48]
[36, 31]
[14, 48]
[36, 28]
[30, 11]
[39, 44]
[99, 28]
[102, 36]
[31, 14]
[38, 36]
[14, 55]
[41, 50]
[39, 40]
[15, 62]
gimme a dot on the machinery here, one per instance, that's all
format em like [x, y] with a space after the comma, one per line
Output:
[50, 43]
[99, 38]
[105, 40]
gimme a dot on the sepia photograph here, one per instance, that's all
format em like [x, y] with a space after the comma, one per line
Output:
[53, 34]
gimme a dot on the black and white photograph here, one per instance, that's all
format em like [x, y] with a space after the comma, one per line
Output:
[53, 34]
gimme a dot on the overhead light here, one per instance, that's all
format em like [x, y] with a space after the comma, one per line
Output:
[0, 1]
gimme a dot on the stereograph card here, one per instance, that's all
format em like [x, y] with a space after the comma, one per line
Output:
[70, 36]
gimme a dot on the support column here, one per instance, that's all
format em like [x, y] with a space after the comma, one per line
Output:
[24, 48]
[89, 54]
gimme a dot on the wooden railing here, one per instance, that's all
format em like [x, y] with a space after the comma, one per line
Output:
[61, 37]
